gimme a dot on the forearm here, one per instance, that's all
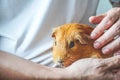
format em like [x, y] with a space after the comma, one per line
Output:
[13, 67]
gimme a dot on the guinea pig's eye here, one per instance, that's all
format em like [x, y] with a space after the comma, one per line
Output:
[71, 44]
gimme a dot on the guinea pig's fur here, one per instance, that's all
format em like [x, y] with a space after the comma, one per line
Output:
[72, 42]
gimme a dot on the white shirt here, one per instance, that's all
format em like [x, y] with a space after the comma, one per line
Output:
[26, 25]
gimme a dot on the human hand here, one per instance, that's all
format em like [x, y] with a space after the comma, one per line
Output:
[109, 41]
[95, 69]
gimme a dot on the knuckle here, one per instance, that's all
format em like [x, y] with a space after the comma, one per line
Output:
[103, 39]
[114, 45]
[99, 31]
[102, 64]
[117, 29]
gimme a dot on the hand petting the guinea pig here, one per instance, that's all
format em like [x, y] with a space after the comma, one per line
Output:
[107, 32]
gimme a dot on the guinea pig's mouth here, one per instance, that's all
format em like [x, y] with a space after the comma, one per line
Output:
[59, 64]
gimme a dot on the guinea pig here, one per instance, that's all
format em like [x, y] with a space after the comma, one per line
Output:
[72, 42]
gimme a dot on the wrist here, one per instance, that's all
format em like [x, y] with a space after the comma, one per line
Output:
[64, 74]
[60, 74]
[73, 73]
[49, 73]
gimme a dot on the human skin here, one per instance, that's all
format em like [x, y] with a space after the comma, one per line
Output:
[16, 68]
[96, 69]
[109, 41]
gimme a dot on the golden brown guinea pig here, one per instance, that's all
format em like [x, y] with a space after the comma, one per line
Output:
[72, 42]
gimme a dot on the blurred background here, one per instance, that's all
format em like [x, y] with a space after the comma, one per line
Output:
[103, 6]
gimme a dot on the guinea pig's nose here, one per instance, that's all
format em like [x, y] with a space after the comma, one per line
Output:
[59, 64]
[60, 61]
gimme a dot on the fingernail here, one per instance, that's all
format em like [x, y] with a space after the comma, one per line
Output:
[97, 45]
[93, 35]
[105, 50]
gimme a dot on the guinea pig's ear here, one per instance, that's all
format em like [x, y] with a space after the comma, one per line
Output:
[83, 38]
[54, 32]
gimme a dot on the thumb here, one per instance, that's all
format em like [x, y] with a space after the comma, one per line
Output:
[96, 19]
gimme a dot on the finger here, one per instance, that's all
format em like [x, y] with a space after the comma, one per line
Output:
[104, 24]
[96, 19]
[112, 47]
[108, 36]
